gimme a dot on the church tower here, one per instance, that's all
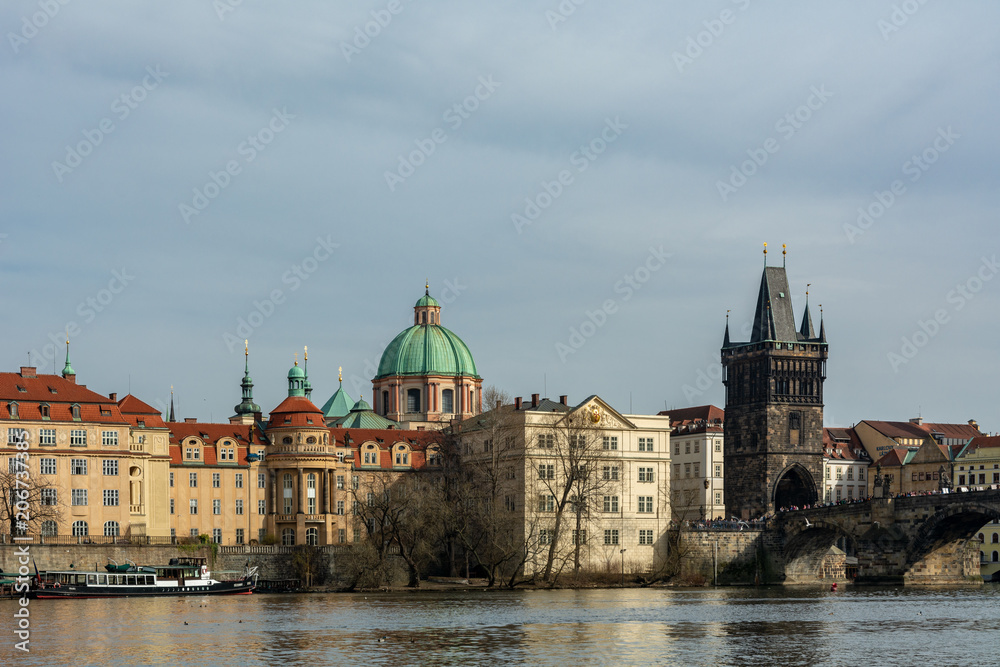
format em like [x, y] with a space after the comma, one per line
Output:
[773, 453]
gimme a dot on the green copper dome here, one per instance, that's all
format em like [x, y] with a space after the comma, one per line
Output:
[296, 372]
[427, 300]
[427, 349]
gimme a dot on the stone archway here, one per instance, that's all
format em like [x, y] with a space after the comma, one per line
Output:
[794, 488]
[944, 550]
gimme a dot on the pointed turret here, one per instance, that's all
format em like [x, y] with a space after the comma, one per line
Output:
[247, 406]
[822, 327]
[725, 341]
[806, 331]
[68, 373]
[340, 403]
[171, 417]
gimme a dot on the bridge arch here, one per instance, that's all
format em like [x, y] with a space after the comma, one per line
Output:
[807, 550]
[937, 552]
[795, 486]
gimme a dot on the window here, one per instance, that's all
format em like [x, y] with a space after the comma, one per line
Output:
[109, 438]
[239, 506]
[697, 470]
[193, 479]
[171, 480]
[12, 408]
[402, 457]
[861, 474]
[193, 453]
[546, 503]
[828, 472]
[216, 480]
[288, 537]
[687, 447]
[48, 496]
[171, 505]
[645, 537]
[646, 475]
[354, 482]
[340, 507]
[311, 493]
[544, 536]
[645, 504]
[44, 409]
[546, 471]
[609, 472]
[46, 436]
[47, 466]
[850, 472]
[111, 529]
[78, 438]
[580, 536]
[261, 480]
[850, 493]
[697, 447]
[718, 470]
[413, 400]
[216, 506]
[611, 504]
[687, 469]
[718, 497]
[49, 528]
[718, 445]
[546, 441]
[509, 504]
[217, 535]
[677, 448]
[840, 472]
[611, 536]
[15, 465]
[340, 481]
[194, 533]
[645, 444]
[110, 466]
[75, 411]
[447, 401]
[239, 480]
[79, 497]
[370, 457]
[80, 529]
[677, 470]
[838, 494]
[193, 506]
[110, 497]
[78, 466]
[261, 507]
[312, 536]
[239, 536]
[610, 442]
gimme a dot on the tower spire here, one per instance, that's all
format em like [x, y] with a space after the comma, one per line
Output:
[765, 254]
[725, 342]
[806, 330]
[305, 369]
[171, 416]
[247, 406]
[784, 253]
[68, 371]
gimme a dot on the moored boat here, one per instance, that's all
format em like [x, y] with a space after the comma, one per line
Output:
[182, 576]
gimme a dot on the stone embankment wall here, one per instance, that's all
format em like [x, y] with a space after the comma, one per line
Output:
[740, 557]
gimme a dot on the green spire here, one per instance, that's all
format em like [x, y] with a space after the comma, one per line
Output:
[296, 380]
[247, 406]
[67, 369]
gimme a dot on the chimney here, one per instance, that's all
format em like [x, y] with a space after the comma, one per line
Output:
[499, 404]
[190, 420]
[113, 396]
[563, 399]
[974, 424]
[534, 400]
[517, 403]
[28, 371]
[917, 420]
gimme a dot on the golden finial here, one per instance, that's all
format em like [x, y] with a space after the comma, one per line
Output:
[340, 373]
[246, 347]
[808, 285]
[765, 253]
[306, 355]
[784, 253]
[296, 358]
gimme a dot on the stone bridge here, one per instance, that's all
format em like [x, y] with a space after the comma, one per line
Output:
[908, 540]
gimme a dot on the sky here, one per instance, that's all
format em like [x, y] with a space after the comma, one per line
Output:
[586, 186]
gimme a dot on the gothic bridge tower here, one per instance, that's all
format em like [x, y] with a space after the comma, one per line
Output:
[773, 455]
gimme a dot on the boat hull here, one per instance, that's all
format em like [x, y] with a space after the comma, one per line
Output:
[89, 591]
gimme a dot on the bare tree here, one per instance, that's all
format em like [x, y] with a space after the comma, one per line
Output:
[26, 500]
[484, 517]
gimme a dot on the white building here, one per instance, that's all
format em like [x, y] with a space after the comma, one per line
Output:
[696, 439]
[845, 466]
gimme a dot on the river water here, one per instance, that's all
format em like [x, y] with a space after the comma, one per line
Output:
[724, 626]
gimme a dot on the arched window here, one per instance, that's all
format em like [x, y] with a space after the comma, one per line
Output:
[80, 529]
[996, 538]
[413, 400]
[996, 556]
[45, 410]
[111, 529]
[312, 537]
[402, 457]
[75, 410]
[288, 537]
[447, 401]
[12, 408]
[49, 529]
[981, 538]
[385, 403]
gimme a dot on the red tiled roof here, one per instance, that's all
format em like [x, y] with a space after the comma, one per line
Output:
[894, 457]
[984, 441]
[60, 395]
[700, 419]
[296, 411]
[135, 411]
[913, 430]
[211, 434]
[418, 442]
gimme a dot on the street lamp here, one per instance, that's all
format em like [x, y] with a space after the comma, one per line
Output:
[622, 552]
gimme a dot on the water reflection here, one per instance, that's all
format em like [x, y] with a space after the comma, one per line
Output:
[678, 627]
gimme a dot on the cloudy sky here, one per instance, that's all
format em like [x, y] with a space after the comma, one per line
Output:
[586, 185]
